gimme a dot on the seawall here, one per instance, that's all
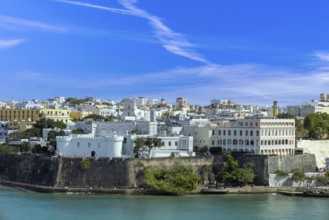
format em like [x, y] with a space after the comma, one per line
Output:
[106, 174]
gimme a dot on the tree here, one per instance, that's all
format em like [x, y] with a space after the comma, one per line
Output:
[286, 116]
[78, 131]
[317, 125]
[215, 150]
[49, 123]
[176, 179]
[152, 142]
[298, 176]
[247, 176]
[51, 138]
[32, 132]
[231, 172]
[203, 150]
[139, 143]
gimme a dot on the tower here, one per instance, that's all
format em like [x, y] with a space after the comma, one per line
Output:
[275, 109]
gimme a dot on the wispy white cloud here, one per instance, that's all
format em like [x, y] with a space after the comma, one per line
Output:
[10, 43]
[14, 23]
[115, 10]
[322, 55]
[173, 42]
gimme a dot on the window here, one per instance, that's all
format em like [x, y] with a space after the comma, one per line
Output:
[241, 133]
[234, 132]
[78, 144]
[257, 133]
[213, 132]
[229, 132]
[176, 143]
[246, 133]
[224, 132]
[213, 142]
[219, 132]
[169, 143]
[89, 144]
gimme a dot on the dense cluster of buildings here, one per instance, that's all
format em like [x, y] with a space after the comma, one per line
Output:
[183, 129]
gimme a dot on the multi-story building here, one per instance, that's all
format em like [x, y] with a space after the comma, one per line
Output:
[17, 116]
[255, 135]
[57, 114]
[311, 107]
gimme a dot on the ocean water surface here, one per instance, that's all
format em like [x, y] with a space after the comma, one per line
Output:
[16, 204]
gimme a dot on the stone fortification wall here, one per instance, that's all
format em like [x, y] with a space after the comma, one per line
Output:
[264, 165]
[287, 163]
[28, 169]
[318, 147]
[102, 173]
[107, 173]
[259, 164]
[203, 165]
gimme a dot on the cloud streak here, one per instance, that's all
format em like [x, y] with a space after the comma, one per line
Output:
[173, 42]
[4, 44]
[14, 23]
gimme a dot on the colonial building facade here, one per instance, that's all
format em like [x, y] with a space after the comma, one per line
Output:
[255, 135]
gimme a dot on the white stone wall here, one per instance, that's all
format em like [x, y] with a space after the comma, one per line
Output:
[318, 147]
[83, 146]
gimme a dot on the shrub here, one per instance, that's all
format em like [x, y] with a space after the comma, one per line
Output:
[85, 163]
[280, 173]
[176, 179]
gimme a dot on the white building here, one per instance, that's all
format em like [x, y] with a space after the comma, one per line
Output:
[174, 146]
[86, 146]
[131, 111]
[256, 135]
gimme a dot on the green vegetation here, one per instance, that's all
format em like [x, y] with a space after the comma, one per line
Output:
[51, 138]
[200, 150]
[85, 163]
[139, 143]
[75, 101]
[107, 103]
[215, 150]
[49, 123]
[32, 132]
[7, 149]
[100, 117]
[298, 176]
[78, 131]
[280, 173]
[317, 125]
[176, 179]
[233, 175]
[285, 116]
[150, 142]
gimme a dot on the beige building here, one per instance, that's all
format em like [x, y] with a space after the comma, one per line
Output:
[24, 118]
[255, 135]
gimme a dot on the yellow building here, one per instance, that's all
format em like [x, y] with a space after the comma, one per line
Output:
[30, 116]
[56, 115]
[76, 115]
[12, 114]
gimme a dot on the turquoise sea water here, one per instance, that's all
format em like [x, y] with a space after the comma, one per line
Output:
[19, 205]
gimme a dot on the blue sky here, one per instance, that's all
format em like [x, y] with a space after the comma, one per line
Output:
[252, 52]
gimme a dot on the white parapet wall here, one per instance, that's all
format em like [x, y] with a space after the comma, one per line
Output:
[318, 147]
[86, 146]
